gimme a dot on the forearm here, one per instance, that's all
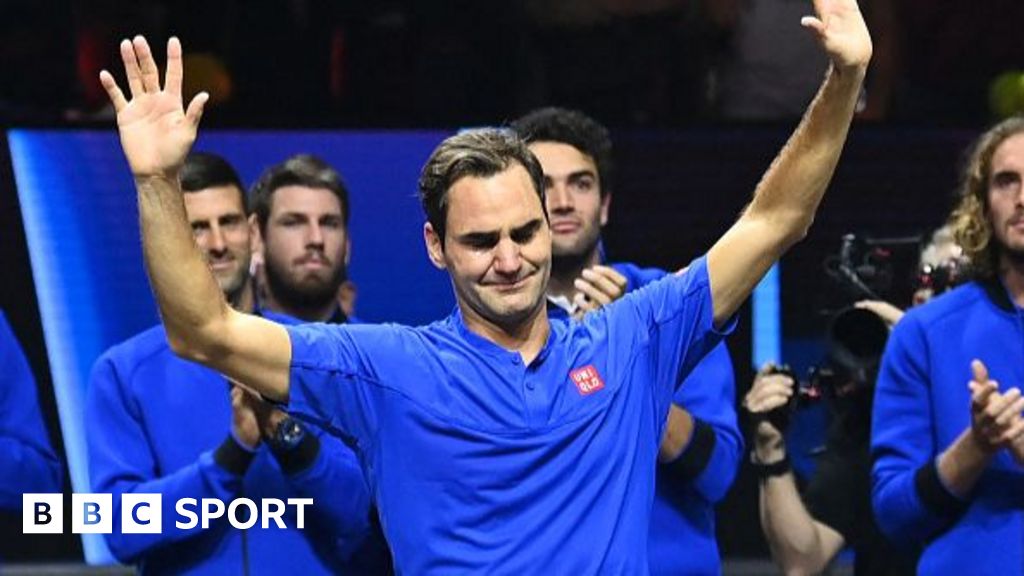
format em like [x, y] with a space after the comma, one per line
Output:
[791, 190]
[787, 197]
[793, 535]
[962, 464]
[678, 433]
[189, 298]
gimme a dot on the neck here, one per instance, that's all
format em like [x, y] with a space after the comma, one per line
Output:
[566, 269]
[243, 300]
[321, 313]
[526, 337]
[1013, 278]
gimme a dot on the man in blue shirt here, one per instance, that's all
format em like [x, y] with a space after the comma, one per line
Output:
[27, 460]
[700, 454]
[495, 441]
[160, 424]
[946, 438]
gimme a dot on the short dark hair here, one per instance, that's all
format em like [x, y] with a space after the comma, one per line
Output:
[204, 170]
[481, 153]
[299, 170]
[574, 128]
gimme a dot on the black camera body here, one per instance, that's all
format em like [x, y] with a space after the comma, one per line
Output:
[855, 338]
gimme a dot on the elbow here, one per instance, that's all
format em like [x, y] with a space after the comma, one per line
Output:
[197, 343]
[797, 228]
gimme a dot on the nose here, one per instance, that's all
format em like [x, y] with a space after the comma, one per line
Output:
[315, 235]
[507, 261]
[560, 200]
[216, 243]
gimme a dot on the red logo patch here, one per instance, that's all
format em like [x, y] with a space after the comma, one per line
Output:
[587, 380]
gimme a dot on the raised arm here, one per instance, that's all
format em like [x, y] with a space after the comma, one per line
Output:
[788, 195]
[156, 134]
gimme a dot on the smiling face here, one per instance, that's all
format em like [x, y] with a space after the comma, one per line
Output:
[1006, 198]
[575, 204]
[305, 246]
[218, 222]
[497, 247]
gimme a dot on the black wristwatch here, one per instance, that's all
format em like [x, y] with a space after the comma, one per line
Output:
[766, 471]
[288, 436]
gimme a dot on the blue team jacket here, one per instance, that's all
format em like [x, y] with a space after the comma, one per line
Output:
[922, 404]
[154, 422]
[27, 461]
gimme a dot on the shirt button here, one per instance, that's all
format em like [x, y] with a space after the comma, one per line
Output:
[515, 359]
[529, 384]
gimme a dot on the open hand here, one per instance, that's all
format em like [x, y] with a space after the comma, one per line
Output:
[842, 32]
[156, 132]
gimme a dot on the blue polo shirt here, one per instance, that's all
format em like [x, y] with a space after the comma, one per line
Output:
[482, 464]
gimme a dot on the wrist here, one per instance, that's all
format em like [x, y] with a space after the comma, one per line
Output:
[770, 451]
[271, 423]
[765, 469]
[161, 179]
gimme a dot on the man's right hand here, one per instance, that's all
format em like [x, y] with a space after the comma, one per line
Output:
[996, 420]
[156, 132]
[769, 391]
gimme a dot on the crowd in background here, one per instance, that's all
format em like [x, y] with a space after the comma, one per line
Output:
[404, 63]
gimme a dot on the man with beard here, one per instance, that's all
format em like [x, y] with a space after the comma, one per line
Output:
[301, 211]
[155, 427]
[699, 455]
[495, 440]
[947, 439]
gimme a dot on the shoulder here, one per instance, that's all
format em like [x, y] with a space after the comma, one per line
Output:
[146, 346]
[958, 303]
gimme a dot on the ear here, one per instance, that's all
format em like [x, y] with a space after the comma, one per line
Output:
[606, 203]
[255, 245]
[435, 248]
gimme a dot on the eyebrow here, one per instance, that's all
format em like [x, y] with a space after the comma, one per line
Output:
[576, 175]
[491, 236]
[527, 229]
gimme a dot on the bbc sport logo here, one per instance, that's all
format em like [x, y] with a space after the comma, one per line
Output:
[143, 513]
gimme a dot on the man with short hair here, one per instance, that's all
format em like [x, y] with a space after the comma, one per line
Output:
[947, 440]
[699, 457]
[301, 212]
[496, 439]
[159, 424]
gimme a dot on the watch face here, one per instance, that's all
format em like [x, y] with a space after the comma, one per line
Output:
[289, 433]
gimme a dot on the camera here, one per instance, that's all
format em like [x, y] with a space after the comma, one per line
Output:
[855, 338]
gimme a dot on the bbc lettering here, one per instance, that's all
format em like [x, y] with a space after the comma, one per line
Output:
[143, 513]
